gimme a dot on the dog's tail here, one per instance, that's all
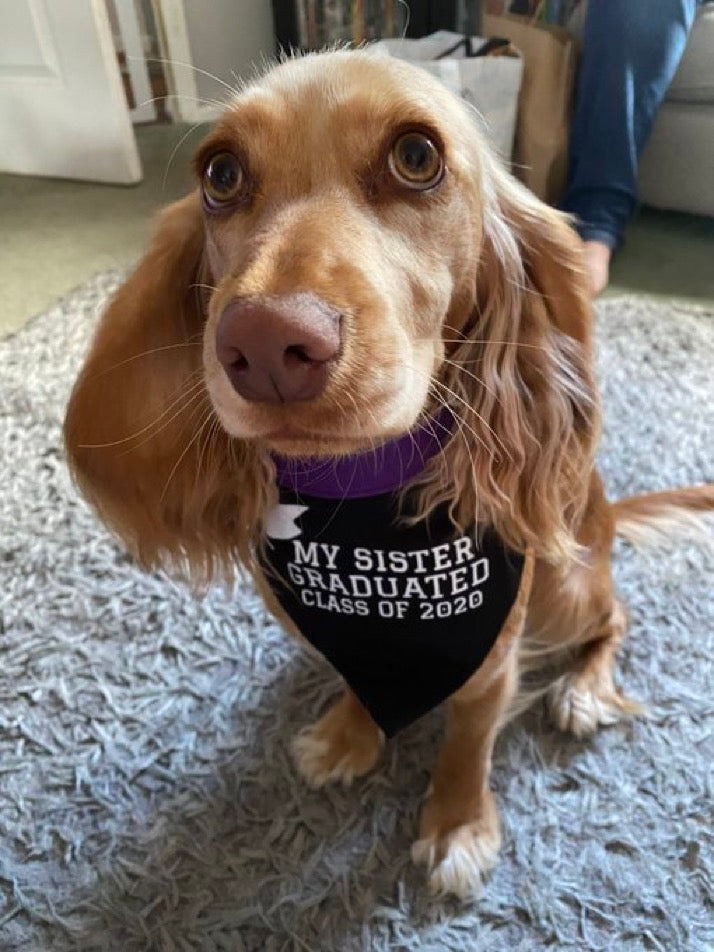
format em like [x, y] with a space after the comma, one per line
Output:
[654, 518]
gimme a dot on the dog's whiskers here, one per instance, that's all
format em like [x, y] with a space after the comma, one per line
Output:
[204, 422]
[189, 342]
[195, 399]
[210, 439]
[175, 150]
[197, 69]
[469, 373]
[208, 287]
[200, 99]
[462, 425]
[475, 412]
[479, 340]
[189, 395]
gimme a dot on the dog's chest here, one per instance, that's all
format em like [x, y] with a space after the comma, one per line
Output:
[405, 613]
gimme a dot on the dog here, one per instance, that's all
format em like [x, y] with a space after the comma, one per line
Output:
[356, 362]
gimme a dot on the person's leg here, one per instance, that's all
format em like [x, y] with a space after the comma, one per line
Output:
[631, 49]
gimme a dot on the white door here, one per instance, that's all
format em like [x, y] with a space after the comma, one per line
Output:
[62, 106]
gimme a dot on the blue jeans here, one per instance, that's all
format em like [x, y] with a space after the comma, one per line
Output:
[631, 50]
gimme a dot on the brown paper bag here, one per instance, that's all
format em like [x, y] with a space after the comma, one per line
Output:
[545, 102]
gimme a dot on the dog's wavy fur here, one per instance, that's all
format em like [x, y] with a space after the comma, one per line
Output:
[473, 296]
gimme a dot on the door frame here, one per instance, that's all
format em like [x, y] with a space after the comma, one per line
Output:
[183, 103]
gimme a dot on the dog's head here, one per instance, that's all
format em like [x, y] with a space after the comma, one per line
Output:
[341, 204]
[353, 257]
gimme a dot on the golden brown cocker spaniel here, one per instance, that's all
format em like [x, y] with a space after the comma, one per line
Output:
[353, 260]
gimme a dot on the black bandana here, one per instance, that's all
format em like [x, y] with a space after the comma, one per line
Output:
[405, 614]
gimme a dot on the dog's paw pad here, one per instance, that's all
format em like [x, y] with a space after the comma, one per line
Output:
[323, 756]
[458, 862]
[579, 709]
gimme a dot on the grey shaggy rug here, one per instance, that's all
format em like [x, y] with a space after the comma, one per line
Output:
[147, 798]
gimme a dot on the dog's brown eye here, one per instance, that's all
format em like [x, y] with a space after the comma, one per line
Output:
[223, 179]
[415, 161]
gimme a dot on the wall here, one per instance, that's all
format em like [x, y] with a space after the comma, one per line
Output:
[225, 35]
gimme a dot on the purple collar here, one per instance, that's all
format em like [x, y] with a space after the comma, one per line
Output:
[386, 468]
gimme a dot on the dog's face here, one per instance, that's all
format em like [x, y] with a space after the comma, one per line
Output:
[352, 257]
[341, 208]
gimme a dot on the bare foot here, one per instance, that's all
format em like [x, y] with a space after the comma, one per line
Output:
[597, 263]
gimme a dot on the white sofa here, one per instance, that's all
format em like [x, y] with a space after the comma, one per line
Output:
[677, 166]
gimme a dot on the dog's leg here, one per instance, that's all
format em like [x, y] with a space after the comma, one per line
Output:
[578, 613]
[342, 745]
[586, 697]
[460, 830]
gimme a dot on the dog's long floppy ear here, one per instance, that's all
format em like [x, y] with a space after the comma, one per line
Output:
[142, 440]
[526, 372]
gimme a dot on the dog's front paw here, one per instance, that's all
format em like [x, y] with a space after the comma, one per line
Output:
[458, 857]
[579, 704]
[344, 744]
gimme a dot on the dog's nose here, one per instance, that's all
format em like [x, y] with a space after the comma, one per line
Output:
[278, 349]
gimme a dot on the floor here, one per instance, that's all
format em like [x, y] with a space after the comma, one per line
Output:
[57, 233]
